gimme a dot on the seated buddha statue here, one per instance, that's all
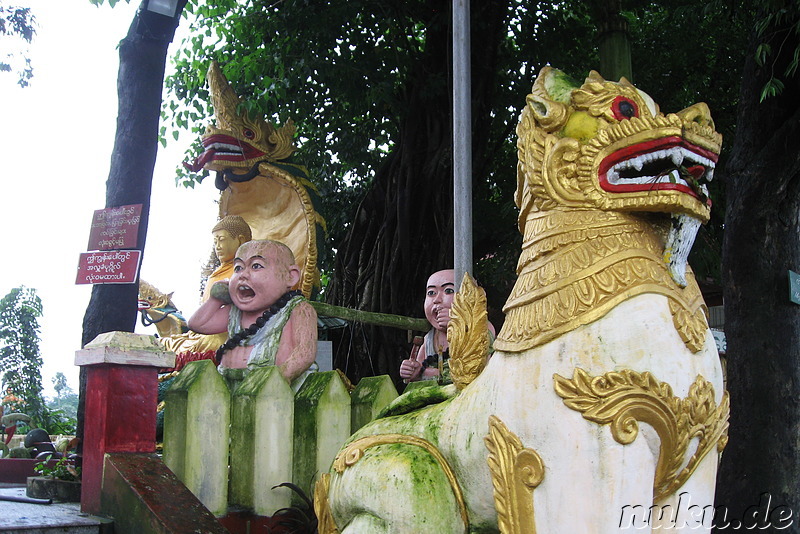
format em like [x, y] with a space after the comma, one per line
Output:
[229, 234]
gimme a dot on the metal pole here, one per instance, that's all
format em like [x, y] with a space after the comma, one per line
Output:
[462, 142]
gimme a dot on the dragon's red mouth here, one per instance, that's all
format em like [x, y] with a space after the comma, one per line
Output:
[221, 147]
[668, 163]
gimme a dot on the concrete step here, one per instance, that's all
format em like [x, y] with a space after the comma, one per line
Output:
[26, 518]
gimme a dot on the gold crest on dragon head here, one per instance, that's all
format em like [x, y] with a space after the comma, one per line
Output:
[239, 140]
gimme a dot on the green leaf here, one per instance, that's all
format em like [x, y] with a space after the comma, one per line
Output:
[773, 87]
[791, 69]
[762, 52]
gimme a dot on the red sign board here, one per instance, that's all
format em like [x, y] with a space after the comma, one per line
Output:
[115, 228]
[110, 267]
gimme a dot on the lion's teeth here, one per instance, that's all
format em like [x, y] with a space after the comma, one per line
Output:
[677, 157]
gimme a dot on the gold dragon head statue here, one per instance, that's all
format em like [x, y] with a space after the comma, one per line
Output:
[606, 146]
[238, 140]
[611, 194]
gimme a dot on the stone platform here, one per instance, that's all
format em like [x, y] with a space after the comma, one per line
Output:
[25, 518]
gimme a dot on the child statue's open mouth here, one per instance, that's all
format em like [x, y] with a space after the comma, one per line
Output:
[245, 292]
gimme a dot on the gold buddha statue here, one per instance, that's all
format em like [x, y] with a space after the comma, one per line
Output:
[229, 234]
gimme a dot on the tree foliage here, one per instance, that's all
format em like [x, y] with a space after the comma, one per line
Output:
[66, 399]
[63, 409]
[369, 88]
[17, 23]
[777, 49]
[60, 384]
[20, 362]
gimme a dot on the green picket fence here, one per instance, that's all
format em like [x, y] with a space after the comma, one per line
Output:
[232, 442]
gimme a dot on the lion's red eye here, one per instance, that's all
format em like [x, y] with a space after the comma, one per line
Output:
[624, 108]
[250, 134]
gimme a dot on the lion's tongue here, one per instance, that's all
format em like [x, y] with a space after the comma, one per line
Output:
[697, 171]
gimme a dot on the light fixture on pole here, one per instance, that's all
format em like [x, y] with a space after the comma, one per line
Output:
[162, 7]
[159, 18]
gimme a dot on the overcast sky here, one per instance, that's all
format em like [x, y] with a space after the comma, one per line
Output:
[56, 138]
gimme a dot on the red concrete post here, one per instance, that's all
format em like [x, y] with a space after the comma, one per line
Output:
[121, 398]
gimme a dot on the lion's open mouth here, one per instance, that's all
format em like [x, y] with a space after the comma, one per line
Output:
[663, 164]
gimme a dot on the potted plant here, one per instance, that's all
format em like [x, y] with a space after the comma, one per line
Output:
[59, 481]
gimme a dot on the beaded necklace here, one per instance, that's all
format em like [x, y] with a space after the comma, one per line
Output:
[239, 337]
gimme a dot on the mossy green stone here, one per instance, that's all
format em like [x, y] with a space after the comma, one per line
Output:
[242, 450]
[262, 419]
[196, 431]
[410, 470]
[234, 377]
[321, 426]
[370, 396]
[560, 86]
[418, 398]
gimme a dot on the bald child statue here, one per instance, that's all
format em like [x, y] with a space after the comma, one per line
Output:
[268, 323]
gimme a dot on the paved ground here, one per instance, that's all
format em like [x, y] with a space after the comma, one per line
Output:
[26, 518]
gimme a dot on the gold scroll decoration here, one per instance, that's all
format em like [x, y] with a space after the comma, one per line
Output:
[516, 472]
[467, 333]
[624, 398]
[354, 451]
[322, 506]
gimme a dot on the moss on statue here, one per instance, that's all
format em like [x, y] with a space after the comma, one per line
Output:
[370, 397]
[418, 398]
